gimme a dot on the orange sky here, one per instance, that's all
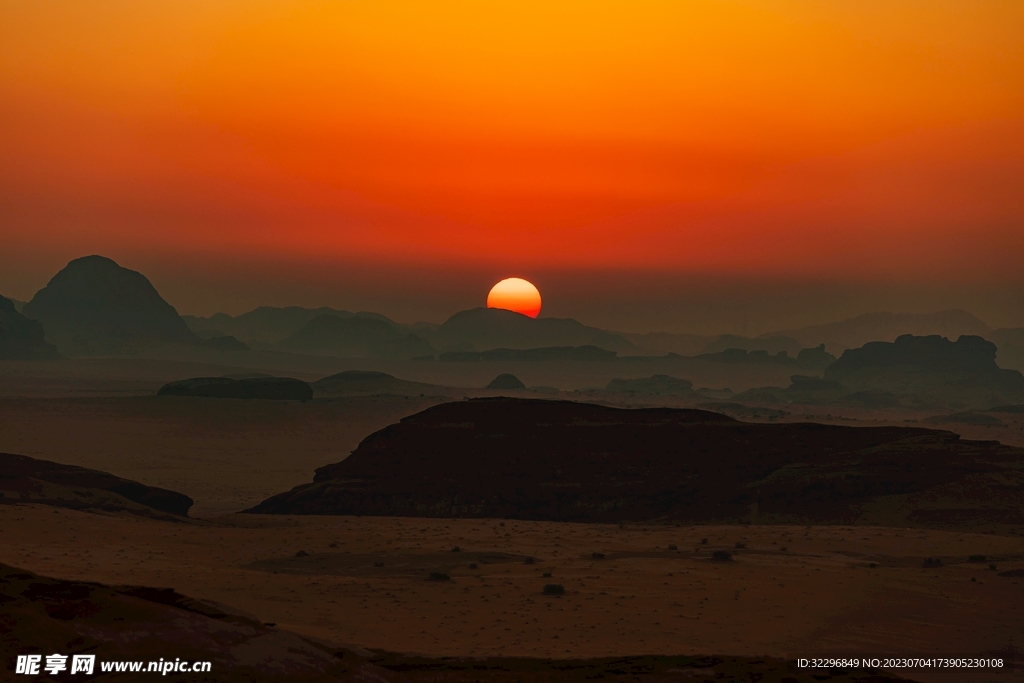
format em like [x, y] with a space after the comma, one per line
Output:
[783, 138]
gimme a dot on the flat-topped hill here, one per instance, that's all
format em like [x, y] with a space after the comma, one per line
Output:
[565, 461]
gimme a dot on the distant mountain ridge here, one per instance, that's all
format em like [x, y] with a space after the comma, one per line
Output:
[268, 325]
[855, 332]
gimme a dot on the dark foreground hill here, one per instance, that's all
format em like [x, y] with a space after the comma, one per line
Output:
[141, 624]
[564, 461]
[28, 480]
[95, 307]
[21, 338]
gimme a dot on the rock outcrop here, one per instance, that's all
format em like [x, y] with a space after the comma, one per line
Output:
[29, 480]
[565, 461]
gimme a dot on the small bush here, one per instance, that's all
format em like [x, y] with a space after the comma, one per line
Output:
[378, 564]
[473, 566]
[932, 562]
[302, 553]
[456, 549]
[740, 544]
[873, 565]
[976, 558]
[721, 556]
[673, 546]
[703, 541]
[438, 576]
[554, 589]
[597, 556]
[529, 560]
[991, 567]
[546, 575]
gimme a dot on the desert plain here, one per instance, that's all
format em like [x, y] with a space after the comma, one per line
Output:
[629, 589]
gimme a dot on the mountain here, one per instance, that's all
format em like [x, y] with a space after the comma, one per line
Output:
[479, 329]
[661, 343]
[855, 332]
[773, 345]
[28, 480]
[21, 338]
[963, 372]
[506, 381]
[565, 461]
[551, 353]
[267, 325]
[95, 307]
[355, 337]
[18, 305]
[369, 383]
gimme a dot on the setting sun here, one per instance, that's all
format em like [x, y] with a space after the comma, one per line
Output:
[515, 294]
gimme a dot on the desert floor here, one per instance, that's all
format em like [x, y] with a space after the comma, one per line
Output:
[791, 591]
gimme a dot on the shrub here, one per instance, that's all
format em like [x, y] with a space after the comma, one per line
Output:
[740, 544]
[456, 549]
[438, 576]
[554, 589]
[673, 546]
[932, 562]
[976, 558]
[721, 556]
[529, 560]
[473, 566]
[546, 575]
[302, 553]
[378, 564]
[703, 541]
[597, 556]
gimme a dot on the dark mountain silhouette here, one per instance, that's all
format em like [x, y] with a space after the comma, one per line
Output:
[28, 480]
[558, 460]
[935, 368]
[656, 385]
[551, 353]
[773, 345]
[268, 325]
[95, 307]
[661, 343]
[742, 357]
[479, 329]
[368, 382]
[355, 337]
[18, 305]
[21, 338]
[143, 624]
[261, 387]
[506, 381]
[223, 344]
[855, 332]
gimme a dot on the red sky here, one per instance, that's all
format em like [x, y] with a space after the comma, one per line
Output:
[790, 140]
